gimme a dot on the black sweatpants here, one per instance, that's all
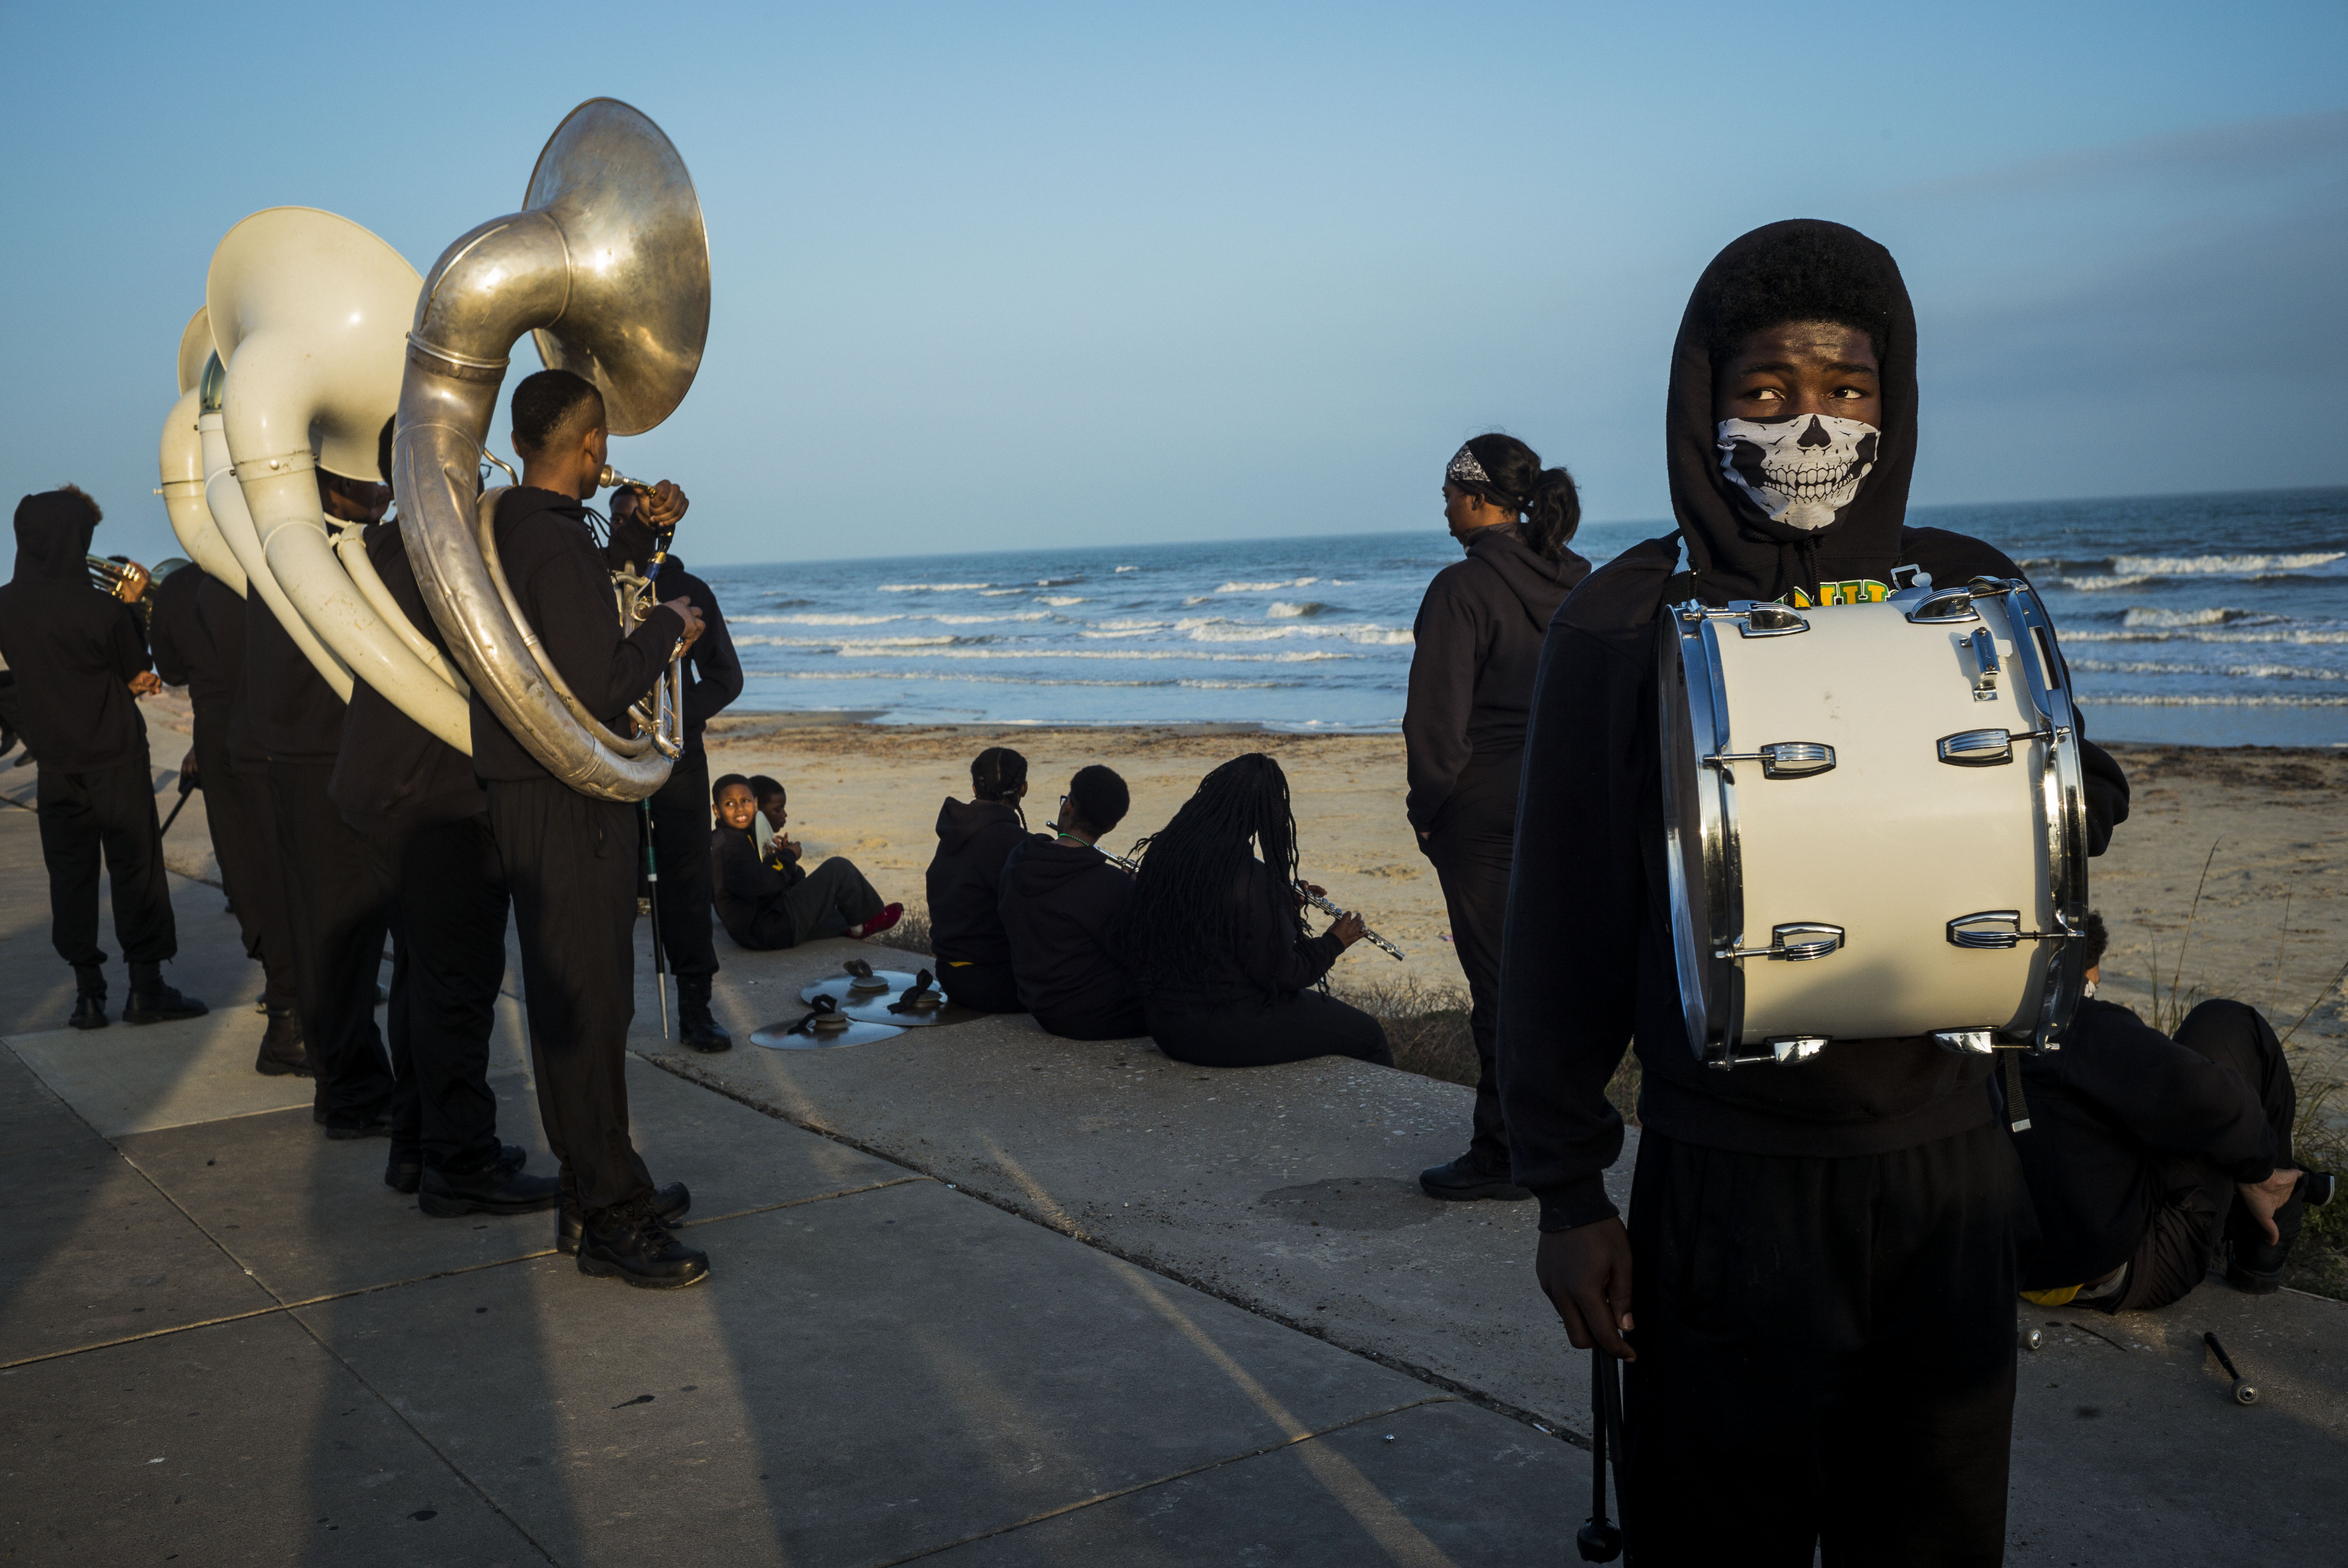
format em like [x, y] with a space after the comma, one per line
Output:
[447, 920]
[680, 813]
[1257, 1033]
[989, 987]
[109, 812]
[334, 903]
[1127, 1020]
[2198, 1206]
[1825, 1354]
[569, 862]
[824, 903]
[1473, 846]
[262, 915]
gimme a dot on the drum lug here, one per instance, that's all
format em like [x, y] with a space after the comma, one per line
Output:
[1965, 1041]
[1798, 942]
[1780, 760]
[1985, 665]
[1754, 617]
[1946, 605]
[1997, 930]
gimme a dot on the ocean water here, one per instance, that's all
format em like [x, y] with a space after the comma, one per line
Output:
[2208, 619]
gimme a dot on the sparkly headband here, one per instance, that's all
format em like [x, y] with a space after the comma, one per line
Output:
[1466, 470]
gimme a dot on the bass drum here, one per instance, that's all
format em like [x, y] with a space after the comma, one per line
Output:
[1874, 826]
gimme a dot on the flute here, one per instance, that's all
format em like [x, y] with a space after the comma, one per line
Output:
[1327, 908]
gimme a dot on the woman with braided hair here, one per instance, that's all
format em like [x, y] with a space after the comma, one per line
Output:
[1213, 934]
[965, 883]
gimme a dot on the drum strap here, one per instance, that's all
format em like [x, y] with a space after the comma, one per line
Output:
[2017, 1109]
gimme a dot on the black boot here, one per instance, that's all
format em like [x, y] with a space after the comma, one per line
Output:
[403, 1170]
[670, 1205]
[629, 1242]
[496, 1185]
[89, 999]
[152, 1001]
[283, 1051]
[1463, 1179]
[699, 1030]
[2254, 1264]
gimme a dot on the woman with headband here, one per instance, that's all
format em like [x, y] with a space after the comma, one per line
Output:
[1478, 638]
[974, 838]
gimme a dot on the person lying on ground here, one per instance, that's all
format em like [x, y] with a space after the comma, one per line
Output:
[1214, 939]
[965, 883]
[1062, 901]
[2145, 1154]
[771, 902]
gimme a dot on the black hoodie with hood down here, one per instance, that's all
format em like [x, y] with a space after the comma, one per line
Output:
[73, 649]
[1588, 965]
[1479, 636]
[1062, 906]
[965, 881]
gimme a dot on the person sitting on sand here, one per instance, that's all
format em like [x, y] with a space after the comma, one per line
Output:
[965, 882]
[1060, 906]
[2144, 1153]
[770, 901]
[774, 806]
[1213, 932]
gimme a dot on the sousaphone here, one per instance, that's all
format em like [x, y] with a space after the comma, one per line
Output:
[607, 265]
[182, 460]
[306, 310]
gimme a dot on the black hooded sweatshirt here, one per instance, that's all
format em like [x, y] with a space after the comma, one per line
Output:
[392, 773]
[198, 641]
[1062, 905]
[743, 886]
[713, 671]
[1479, 637]
[73, 648]
[1588, 964]
[558, 576]
[965, 881]
[2116, 1094]
[293, 715]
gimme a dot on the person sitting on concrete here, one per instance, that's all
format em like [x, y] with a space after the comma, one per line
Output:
[1061, 904]
[1226, 975]
[965, 884]
[81, 665]
[2145, 1154]
[770, 901]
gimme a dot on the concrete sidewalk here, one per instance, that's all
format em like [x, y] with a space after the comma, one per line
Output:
[979, 1295]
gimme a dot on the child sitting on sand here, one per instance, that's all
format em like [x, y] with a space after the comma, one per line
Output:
[766, 900]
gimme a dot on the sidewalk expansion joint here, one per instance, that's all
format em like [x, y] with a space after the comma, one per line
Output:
[1167, 1480]
[1548, 1426]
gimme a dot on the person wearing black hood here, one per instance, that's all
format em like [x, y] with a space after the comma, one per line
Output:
[80, 661]
[1827, 1252]
[1478, 641]
[423, 823]
[965, 884]
[568, 860]
[1063, 904]
[678, 811]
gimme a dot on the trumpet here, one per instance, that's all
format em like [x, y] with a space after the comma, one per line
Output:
[124, 580]
[1327, 908]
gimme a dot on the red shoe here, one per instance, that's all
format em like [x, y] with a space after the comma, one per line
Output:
[889, 914]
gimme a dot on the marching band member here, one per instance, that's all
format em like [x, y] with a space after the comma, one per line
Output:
[568, 860]
[768, 900]
[81, 664]
[1062, 906]
[1478, 647]
[423, 822]
[2144, 1154]
[965, 883]
[1826, 1252]
[1227, 976]
[712, 677]
[333, 908]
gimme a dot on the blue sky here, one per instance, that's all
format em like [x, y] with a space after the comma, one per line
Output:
[1028, 275]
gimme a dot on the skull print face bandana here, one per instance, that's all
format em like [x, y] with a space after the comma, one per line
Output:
[1801, 471]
